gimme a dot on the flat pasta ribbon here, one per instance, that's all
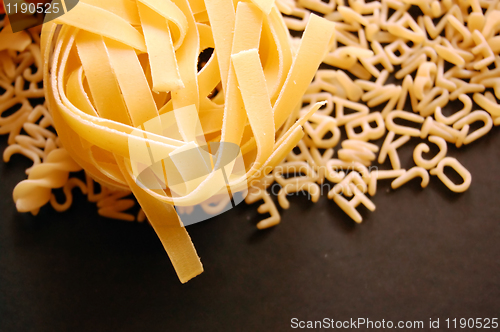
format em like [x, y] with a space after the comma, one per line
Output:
[125, 86]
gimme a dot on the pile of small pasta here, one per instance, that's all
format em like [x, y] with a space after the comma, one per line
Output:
[438, 51]
[433, 51]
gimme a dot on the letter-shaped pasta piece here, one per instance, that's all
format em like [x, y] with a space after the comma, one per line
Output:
[68, 187]
[464, 87]
[320, 162]
[492, 82]
[459, 168]
[432, 127]
[482, 48]
[400, 47]
[446, 51]
[488, 103]
[336, 167]
[318, 5]
[259, 193]
[113, 205]
[314, 98]
[353, 92]
[297, 19]
[324, 125]
[390, 93]
[422, 148]
[294, 170]
[368, 132]
[380, 57]
[358, 197]
[428, 104]
[304, 155]
[411, 174]
[407, 89]
[340, 116]
[345, 188]
[371, 86]
[442, 81]
[424, 79]
[311, 187]
[382, 175]
[471, 118]
[402, 130]
[358, 151]
[476, 21]
[407, 28]
[449, 120]
[491, 24]
[389, 148]
[326, 80]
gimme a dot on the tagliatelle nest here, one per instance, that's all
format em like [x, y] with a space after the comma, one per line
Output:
[122, 85]
[444, 51]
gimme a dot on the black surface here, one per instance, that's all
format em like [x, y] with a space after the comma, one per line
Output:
[422, 254]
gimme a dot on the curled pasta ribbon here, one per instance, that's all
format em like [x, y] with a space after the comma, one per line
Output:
[131, 107]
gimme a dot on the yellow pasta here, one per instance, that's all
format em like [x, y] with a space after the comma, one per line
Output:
[102, 74]
[33, 193]
[429, 92]
[115, 71]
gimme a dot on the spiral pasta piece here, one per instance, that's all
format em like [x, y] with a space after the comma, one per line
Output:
[35, 192]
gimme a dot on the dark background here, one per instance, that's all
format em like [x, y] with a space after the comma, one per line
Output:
[422, 254]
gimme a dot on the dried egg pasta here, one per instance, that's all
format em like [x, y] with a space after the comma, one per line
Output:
[115, 65]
